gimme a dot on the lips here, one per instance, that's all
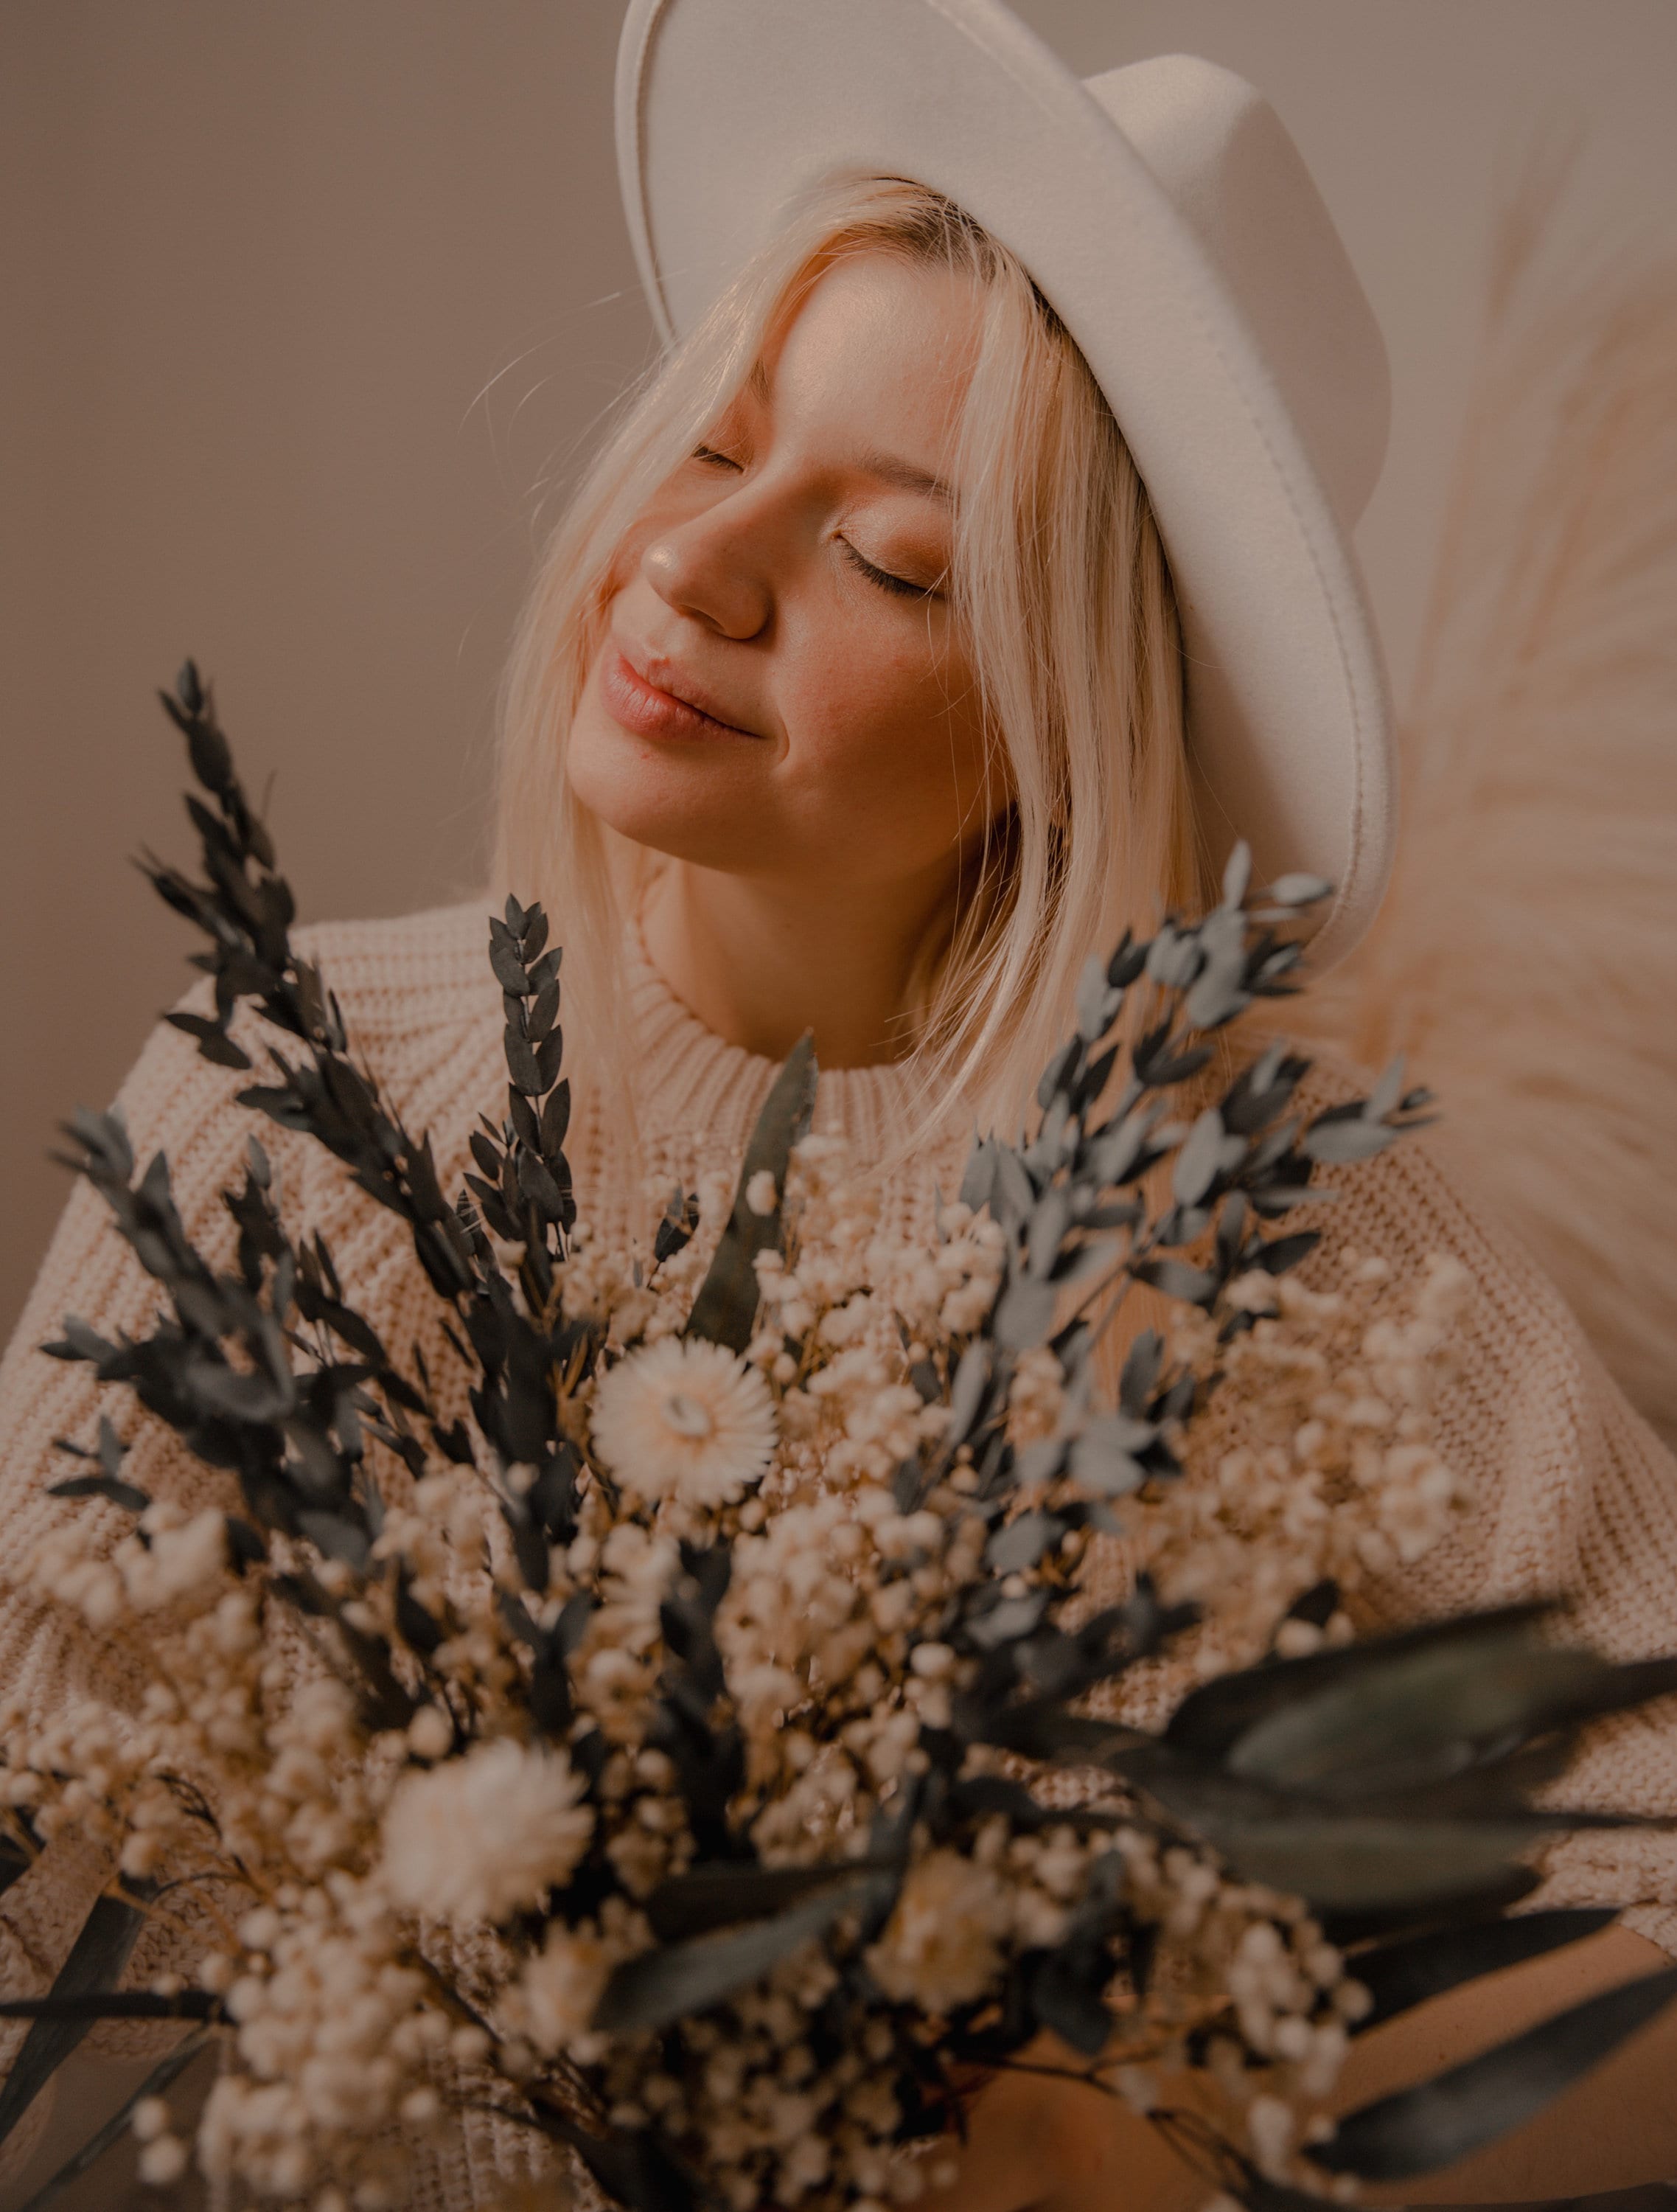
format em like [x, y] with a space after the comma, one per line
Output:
[650, 695]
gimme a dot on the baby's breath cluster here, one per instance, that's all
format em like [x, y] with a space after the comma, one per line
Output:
[1316, 1460]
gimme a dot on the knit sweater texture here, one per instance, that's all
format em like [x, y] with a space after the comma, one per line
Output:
[1572, 1492]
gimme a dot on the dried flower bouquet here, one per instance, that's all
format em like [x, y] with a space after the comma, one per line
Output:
[705, 1729]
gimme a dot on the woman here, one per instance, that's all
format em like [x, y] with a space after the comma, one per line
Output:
[851, 697]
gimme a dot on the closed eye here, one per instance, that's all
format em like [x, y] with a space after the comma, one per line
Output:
[709, 454]
[884, 578]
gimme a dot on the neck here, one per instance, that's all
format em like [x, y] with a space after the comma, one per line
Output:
[759, 962]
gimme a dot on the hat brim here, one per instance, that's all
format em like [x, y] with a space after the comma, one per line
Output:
[729, 110]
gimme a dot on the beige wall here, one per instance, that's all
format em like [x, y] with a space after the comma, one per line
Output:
[299, 300]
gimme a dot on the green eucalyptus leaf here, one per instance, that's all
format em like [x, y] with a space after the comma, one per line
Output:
[167, 2072]
[1024, 1314]
[979, 1177]
[1014, 1194]
[1096, 1001]
[1177, 1280]
[1378, 1857]
[95, 1963]
[1387, 1093]
[1141, 1372]
[1021, 1543]
[711, 1897]
[1338, 1144]
[1299, 889]
[967, 1393]
[1352, 1863]
[1424, 1714]
[1211, 1719]
[1439, 2122]
[1007, 1622]
[1400, 1975]
[636, 2170]
[661, 1987]
[1050, 1218]
[1237, 874]
[725, 1310]
[15, 1861]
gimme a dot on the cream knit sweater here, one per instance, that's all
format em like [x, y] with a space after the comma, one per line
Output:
[1574, 1493]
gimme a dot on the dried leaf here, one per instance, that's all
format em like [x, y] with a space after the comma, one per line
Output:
[96, 1964]
[1443, 2120]
[726, 1306]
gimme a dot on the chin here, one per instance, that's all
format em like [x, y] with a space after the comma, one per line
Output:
[683, 801]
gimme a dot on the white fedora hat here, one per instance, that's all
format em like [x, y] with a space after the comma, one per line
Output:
[1168, 218]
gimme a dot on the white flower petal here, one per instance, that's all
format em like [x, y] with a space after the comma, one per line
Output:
[683, 1419]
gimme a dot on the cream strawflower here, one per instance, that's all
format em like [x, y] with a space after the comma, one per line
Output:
[554, 2004]
[940, 1947]
[479, 1838]
[683, 1419]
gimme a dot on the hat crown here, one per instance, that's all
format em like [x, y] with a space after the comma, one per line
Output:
[1225, 160]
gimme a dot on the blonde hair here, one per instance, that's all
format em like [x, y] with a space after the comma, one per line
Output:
[1060, 583]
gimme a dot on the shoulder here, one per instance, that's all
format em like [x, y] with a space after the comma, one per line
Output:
[407, 977]
[1574, 1492]
[408, 973]
[420, 1006]
[1415, 1199]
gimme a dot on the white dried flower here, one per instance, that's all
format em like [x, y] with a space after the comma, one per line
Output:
[180, 1558]
[761, 1195]
[1269, 2126]
[163, 2162]
[683, 1419]
[480, 1836]
[561, 1987]
[149, 2119]
[940, 1948]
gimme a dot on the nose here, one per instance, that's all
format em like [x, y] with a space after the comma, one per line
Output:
[710, 568]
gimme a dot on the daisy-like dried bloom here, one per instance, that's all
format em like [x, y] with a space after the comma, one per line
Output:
[483, 1836]
[941, 1947]
[554, 2000]
[684, 1419]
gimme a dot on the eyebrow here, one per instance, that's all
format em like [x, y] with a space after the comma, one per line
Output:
[904, 475]
[889, 468]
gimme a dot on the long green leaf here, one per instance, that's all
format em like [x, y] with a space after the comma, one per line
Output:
[95, 1962]
[1359, 1865]
[1346, 1859]
[1443, 2120]
[1342, 1858]
[91, 2005]
[1422, 1715]
[714, 1897]
[1213, 1719]
[15, 1862]
[1400, 1975]
[161, 2075]
[726, 1305]
[661, 1986]
[634, 2170]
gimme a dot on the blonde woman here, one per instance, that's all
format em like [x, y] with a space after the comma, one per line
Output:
[973, 571]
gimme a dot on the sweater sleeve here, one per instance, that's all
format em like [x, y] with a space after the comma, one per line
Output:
[1573, 1496]
[50, 1658]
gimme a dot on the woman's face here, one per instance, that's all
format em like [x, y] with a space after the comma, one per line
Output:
[781, 691]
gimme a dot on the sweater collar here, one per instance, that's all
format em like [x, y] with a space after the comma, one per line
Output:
[692, 1078]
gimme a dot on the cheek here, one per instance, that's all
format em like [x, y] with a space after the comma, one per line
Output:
[885, 734]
